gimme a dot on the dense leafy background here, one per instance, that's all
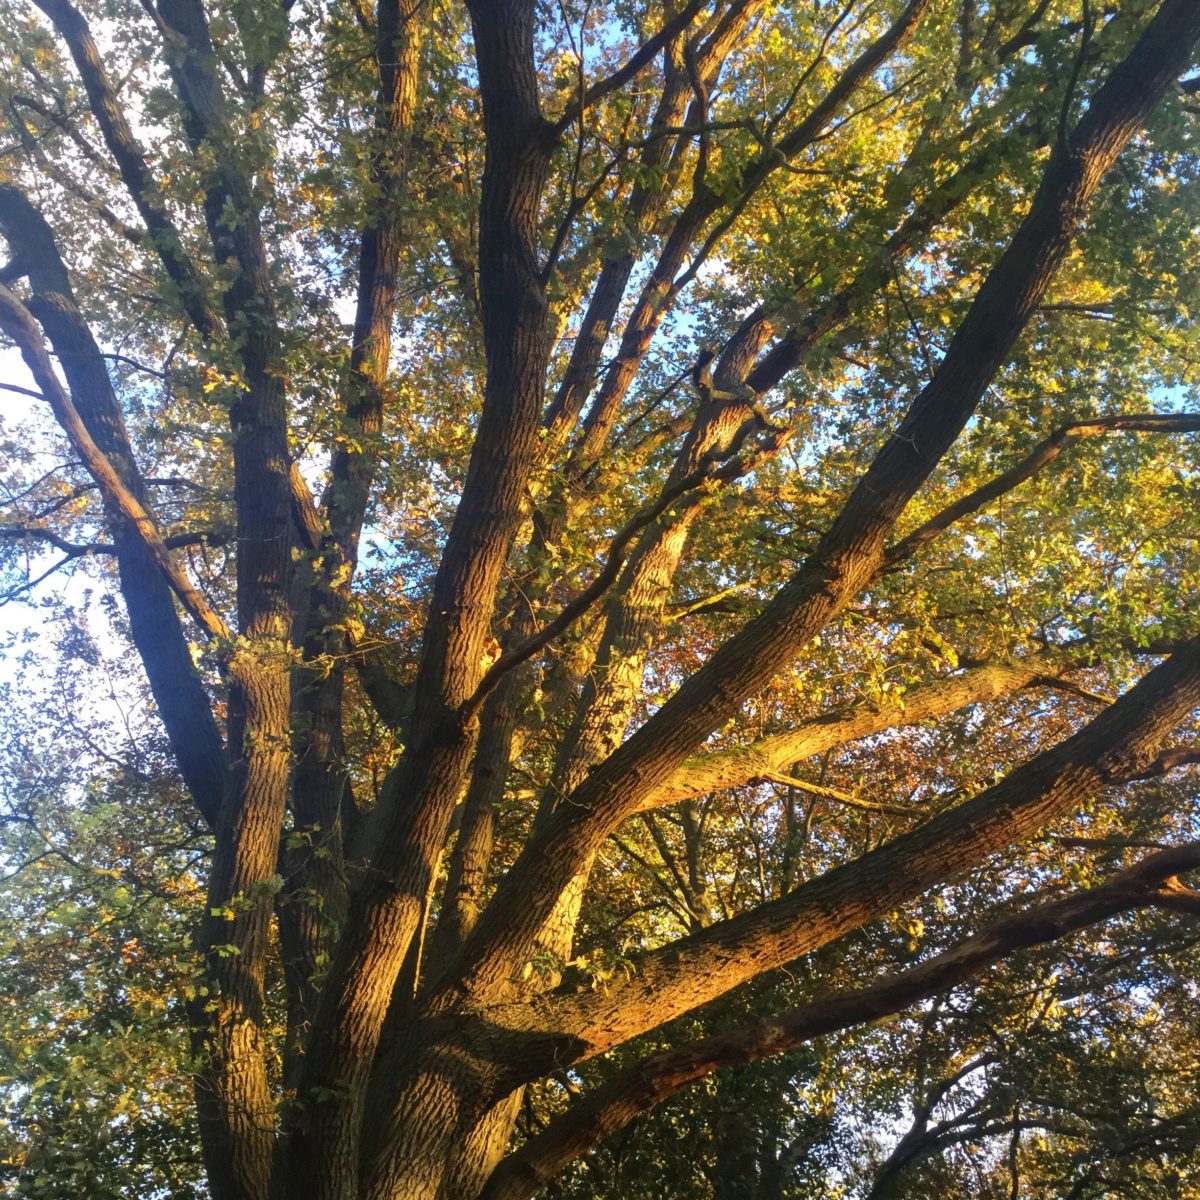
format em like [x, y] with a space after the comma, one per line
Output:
[1087, 1051]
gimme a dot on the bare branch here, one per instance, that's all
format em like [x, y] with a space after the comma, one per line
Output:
[22, 391]
[42, 534]
[828, 793]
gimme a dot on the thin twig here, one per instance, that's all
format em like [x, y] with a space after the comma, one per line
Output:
[1041, 456]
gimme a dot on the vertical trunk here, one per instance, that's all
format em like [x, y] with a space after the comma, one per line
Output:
[419, 797]
[313, 910]
[233, 1092]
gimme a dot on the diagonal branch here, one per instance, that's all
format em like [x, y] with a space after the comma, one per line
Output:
[743, 765]
[1118, 746]
[154, 622]
[1152, 882]
[1040, 457]
[18, 324]
[636, 63]
[618, 550]
[851, 553]
[642, 206]
[130, 158]
[17, 389]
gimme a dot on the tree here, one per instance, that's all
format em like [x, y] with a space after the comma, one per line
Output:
[690, 348]
[99, 895]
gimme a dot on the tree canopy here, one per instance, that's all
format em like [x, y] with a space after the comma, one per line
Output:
[607, 599]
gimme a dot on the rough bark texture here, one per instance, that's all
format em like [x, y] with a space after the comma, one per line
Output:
[1113, 748]
[851, 552]
[419, 797]
[314, 907]
[610, 1108]
[403, 1070]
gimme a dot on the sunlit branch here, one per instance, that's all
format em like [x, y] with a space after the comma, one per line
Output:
[1151, 883]
[618, 551]
[1116, 747]
[741, 765]
[643, 204]
[19, 325]
[839, 797]
[1042, 455]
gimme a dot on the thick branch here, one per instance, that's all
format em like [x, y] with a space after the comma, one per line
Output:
[419, 796]
[312, 909]
[764, 759]
[1152, 882]
[235, 1101]
[1118, 746]
[380, 244]
[154, 622]
[852, 552]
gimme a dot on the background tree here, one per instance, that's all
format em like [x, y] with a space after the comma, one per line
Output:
[613, 504]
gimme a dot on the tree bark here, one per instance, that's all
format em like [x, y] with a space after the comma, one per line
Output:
[1152, 882]
[852, 551]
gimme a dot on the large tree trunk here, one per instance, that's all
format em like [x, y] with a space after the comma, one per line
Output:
[401, 1079]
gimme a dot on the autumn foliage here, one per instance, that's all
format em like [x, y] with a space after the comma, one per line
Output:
[651, 550]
